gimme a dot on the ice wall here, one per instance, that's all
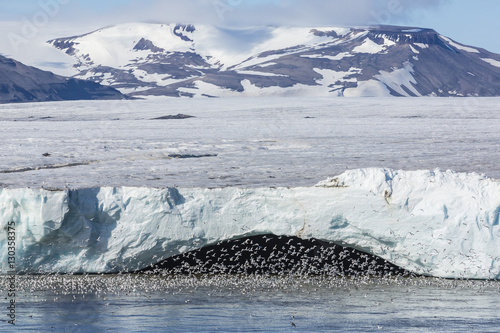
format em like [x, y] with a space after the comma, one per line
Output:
[439, 223]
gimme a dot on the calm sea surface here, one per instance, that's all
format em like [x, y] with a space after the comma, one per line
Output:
[135, 303]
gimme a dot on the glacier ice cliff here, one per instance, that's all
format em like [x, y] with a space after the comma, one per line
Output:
[437, 223]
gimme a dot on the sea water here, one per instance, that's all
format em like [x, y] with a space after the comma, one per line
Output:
[230, 303]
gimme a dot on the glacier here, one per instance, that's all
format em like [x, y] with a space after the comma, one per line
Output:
[259, 142]
[431, 222]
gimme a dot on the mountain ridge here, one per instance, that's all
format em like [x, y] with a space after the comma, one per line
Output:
[145, 59]
[20, 83]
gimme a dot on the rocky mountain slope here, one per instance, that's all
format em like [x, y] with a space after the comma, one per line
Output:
[184, 60]
[21, 83]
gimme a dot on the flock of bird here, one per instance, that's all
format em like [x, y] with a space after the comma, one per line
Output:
[270, 254]
[256, 263]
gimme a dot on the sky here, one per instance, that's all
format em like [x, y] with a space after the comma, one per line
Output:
[29, 23]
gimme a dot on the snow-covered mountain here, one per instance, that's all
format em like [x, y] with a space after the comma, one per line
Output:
[144, 59]
[21, 83]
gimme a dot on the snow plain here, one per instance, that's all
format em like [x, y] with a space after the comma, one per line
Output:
[148, 187]
[258, 142]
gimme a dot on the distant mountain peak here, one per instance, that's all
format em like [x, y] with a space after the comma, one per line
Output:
[21, 83]
[146, 44]
[144, 59]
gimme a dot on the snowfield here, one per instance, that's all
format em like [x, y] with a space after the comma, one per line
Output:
[248, 142]
[105, 186]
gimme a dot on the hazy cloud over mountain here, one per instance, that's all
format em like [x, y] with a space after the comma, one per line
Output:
[222, 12]
[275, 12]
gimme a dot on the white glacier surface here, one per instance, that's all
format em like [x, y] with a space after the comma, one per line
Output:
[247, 142]
[105, 186]
[438, 223]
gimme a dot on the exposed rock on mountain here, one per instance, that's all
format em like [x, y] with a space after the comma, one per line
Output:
[184, 60]
[21, 83]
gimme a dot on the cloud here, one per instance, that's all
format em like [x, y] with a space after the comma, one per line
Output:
[280, 12]
[250, 12]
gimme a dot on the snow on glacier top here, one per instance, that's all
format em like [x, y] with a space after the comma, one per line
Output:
[241, 141]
